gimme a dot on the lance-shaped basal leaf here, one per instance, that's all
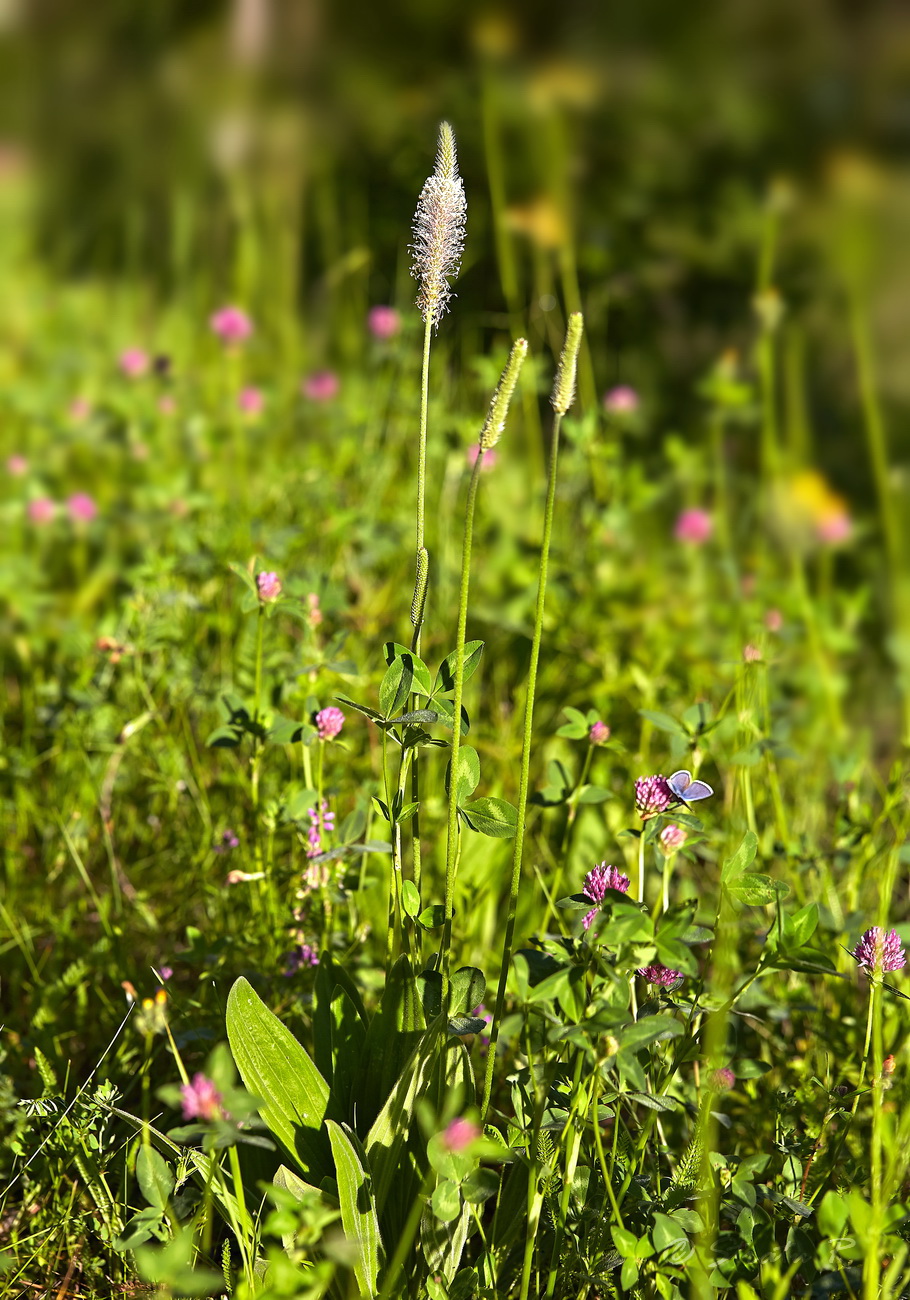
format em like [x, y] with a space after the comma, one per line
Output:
[293, 1095]
[358, 1208]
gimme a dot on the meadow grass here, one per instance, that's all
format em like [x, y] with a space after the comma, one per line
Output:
[250, 943]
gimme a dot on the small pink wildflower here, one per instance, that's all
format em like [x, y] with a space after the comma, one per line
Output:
[81, 508]
[321, 823]
[722, 1080]
[459, 1134]
[751, 654]
[227, 842]
[300, 958]
[314, 613]
[231, 324]
[134, 362]
[774, 620]
[694, 526]
[16, 466]
[167, 404]
[41, 510]
[383, 322]
[621, 400]
[652, 796]
[80, 408]
[165, 972]
[321, 386]
[878, 951]
[251, 401]
[662, 976]
[201, 1099]
[598, 733]
[834, 528]
[597, 882]
[672, 837]
[269, 587]
[329, 722]
[489, 458]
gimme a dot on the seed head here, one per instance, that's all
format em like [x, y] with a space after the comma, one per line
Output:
[564, 385]
[439, 227]
[499, 406]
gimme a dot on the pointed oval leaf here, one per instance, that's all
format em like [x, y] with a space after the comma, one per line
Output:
[358, 1208]
[445, 678]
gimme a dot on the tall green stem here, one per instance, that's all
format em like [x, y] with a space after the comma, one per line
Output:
[525, 761]
[453, 832]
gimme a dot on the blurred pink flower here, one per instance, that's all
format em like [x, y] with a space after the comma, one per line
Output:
[41, 510]
[774, 620]
[459, 1134]
[621, 400]
[133, 362]
[269, 586]
[751, 654]
[251, 401]
[672, 837]
[329, 722]
[17, 466]
[231, 324]
[489, 457]
[384, 322]
[80, 408]
[598, 733]
[321, 386]
[81, 508]
[314, 613]
[722, 1080]
[834, 528]
[201, 1099]
[167, 404]
[693, 526]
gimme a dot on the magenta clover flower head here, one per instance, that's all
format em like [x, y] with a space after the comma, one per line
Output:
[329, 722]
[41, 510]
[672, 837]
[321, 386]
[165, 972]
[269, 587]
[598, 733]
[597, 882]
[652, 796]
[722, 1080]
[694, 526]
[227, 842]
[201, 1099]
[621, 400]
[251, 401]
[383, 322]
[231, 324]
[16, 466]
[134, 362]
[878, 951]
[663, 976]
[459, 1134]
[81, 508]
[300, 958]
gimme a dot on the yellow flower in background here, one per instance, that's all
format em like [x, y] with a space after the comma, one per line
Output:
[541, 220]
[808, 509]
[564, 82]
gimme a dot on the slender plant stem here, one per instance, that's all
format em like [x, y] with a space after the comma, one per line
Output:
[525, 762]
[453, 832]
[422, 445]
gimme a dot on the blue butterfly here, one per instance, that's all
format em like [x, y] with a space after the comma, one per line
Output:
[687, 790]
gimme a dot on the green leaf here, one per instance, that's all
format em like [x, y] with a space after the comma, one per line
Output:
[390, 1131]
[155, 1177]
[742, 858]
[293, 1095]
[800, 927]
[593, 794]
[666, 1232]
[480, 1185]
[422, 683]
[396, 686]
[395, 1030]
[410, 898]
[284, 731]
[361, 708]
[224, 738]
[754, 890]
[468, 777]
[358, 1208]
[445, 678]
[446, 1201]
[245, 577]
[647, 1030]
[495, 817]
[664, 722]
[432, 917]
[467, 990]
[624, 1241]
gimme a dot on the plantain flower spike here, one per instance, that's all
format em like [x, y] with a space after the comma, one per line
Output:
[499, 406]
[439, 226]
[420, 587]
[564, 384]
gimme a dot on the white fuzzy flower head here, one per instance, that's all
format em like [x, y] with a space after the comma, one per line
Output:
[439, 226]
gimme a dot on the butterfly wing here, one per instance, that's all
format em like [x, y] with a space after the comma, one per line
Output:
[697, 790]
[679, 783]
